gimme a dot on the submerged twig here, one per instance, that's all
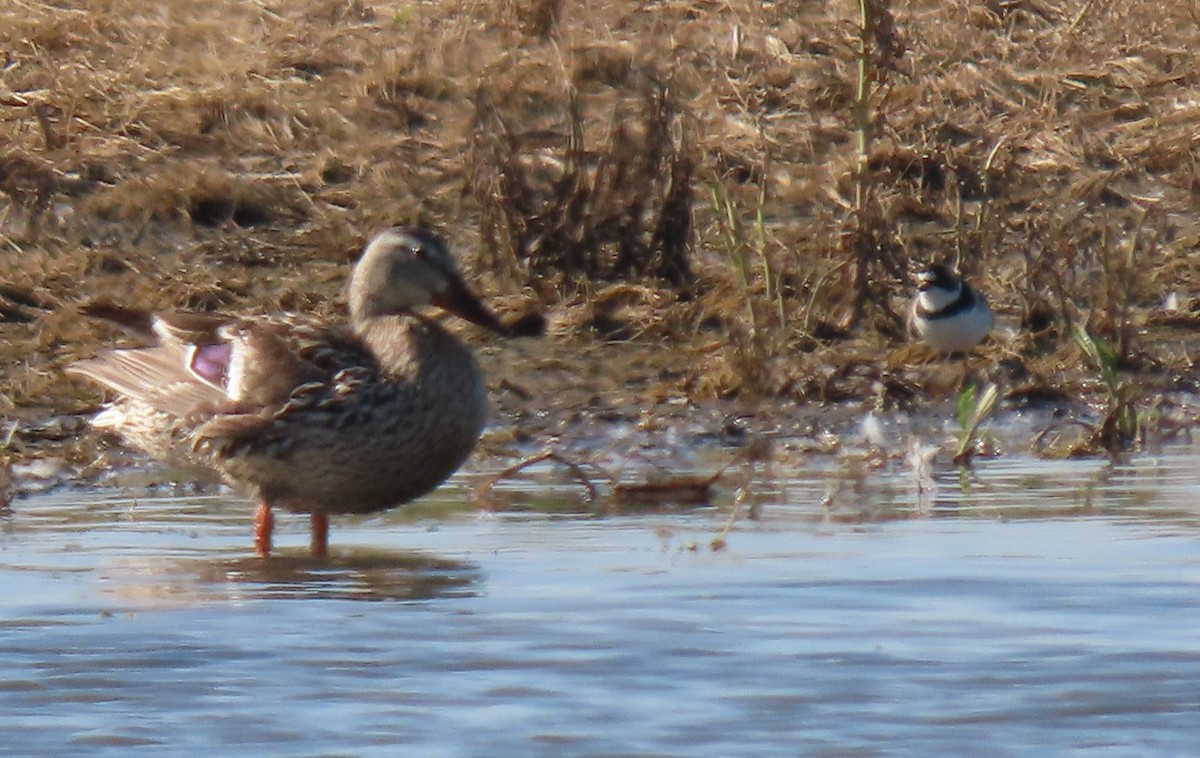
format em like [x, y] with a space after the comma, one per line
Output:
[484, 490]
[685, 489]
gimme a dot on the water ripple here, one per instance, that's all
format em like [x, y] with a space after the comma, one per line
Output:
[1037, 606]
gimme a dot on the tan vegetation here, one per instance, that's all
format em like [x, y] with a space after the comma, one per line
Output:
[720, 177]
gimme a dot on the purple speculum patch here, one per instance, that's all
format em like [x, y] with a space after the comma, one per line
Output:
[211, 362]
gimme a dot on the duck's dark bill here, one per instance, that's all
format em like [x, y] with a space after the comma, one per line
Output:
[460, 301]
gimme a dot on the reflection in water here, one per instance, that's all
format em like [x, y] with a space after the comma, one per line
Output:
[1038, 607]
[360, 574]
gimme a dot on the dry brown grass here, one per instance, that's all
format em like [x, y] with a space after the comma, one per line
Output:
[583, 175]
[233, 155]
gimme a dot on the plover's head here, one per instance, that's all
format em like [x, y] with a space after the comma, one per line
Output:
[938, 276]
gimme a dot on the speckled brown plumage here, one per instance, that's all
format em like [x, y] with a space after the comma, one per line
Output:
[310, 416]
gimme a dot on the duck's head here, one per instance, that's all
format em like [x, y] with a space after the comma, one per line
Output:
[406, 268]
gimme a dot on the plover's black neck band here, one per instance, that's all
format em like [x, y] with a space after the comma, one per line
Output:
[964, 302]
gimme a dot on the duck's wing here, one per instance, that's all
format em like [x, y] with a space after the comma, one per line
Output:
[156, 376]
[188, 328]
[273, 357]
[205, 364]
[293, 366]
[168, 375]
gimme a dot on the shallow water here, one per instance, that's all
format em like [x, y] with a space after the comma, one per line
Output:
[1049, 606]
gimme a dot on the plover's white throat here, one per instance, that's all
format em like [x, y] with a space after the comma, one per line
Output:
[947, 314]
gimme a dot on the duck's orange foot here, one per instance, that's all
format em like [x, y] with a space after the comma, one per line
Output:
[319, 545]
[264, 526]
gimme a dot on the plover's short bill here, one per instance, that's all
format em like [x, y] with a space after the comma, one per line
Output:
[947, 314]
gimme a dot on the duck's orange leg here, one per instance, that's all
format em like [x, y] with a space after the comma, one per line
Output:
[319, 544]
[264, 525]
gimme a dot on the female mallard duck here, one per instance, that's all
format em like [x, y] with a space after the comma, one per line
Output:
[304, 415]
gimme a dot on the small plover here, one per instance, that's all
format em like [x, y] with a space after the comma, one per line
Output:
[947, 314]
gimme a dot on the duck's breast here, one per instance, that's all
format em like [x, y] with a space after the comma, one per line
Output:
[371, 439]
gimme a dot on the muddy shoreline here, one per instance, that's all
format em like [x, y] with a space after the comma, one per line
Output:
[622, 409]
